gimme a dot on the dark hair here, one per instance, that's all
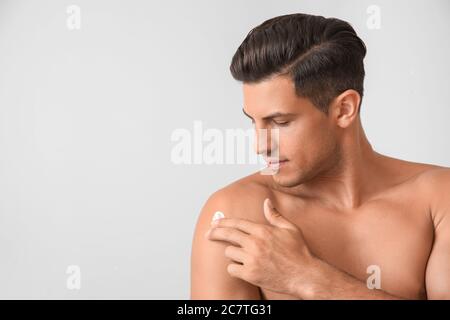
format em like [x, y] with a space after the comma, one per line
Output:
[323, 56]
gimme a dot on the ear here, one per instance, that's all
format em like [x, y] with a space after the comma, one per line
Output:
[345, 107]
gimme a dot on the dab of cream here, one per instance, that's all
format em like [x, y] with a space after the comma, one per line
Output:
[218, 215]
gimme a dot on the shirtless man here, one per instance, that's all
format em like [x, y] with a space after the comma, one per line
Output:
[337, 209]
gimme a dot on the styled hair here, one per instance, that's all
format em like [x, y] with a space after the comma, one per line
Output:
[322, 56]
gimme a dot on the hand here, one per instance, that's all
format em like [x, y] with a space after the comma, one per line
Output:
[274, 257]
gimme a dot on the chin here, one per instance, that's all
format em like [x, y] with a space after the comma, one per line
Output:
[287, 180]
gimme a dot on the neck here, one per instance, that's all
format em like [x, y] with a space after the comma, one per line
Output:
[351, 181]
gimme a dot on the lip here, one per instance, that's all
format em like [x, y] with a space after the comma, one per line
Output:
[274, 160]
[276, 163]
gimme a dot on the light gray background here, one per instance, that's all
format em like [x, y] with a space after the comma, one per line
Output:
[86, 118]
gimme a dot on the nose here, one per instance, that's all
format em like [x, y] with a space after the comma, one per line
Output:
[266, 141]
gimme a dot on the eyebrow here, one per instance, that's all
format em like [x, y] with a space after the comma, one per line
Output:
[270, 116]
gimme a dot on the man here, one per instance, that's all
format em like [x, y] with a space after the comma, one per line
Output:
[342, 221]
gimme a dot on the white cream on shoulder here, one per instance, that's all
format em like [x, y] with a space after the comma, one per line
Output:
[218, 215]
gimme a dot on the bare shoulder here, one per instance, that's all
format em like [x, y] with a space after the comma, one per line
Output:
[436, 174]
[435, 182]
[427, 185]
[240, 199]
[408, 173]
[431, 181]
[434, 186]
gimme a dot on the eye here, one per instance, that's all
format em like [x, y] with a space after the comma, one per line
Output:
[281, 123]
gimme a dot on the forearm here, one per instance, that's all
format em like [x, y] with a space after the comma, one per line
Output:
[323, 282]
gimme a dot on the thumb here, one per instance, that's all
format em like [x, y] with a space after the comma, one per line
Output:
[274, 216]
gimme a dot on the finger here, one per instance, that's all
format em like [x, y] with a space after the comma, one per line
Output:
[236, 270]
[275, 217]
[235, 254]
[240, 224]
[231, 235]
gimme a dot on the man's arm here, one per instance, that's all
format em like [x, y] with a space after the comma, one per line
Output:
[325, 282]
[209, 276]
[437, 275]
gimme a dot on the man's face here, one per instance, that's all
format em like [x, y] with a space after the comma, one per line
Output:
[307, 142]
